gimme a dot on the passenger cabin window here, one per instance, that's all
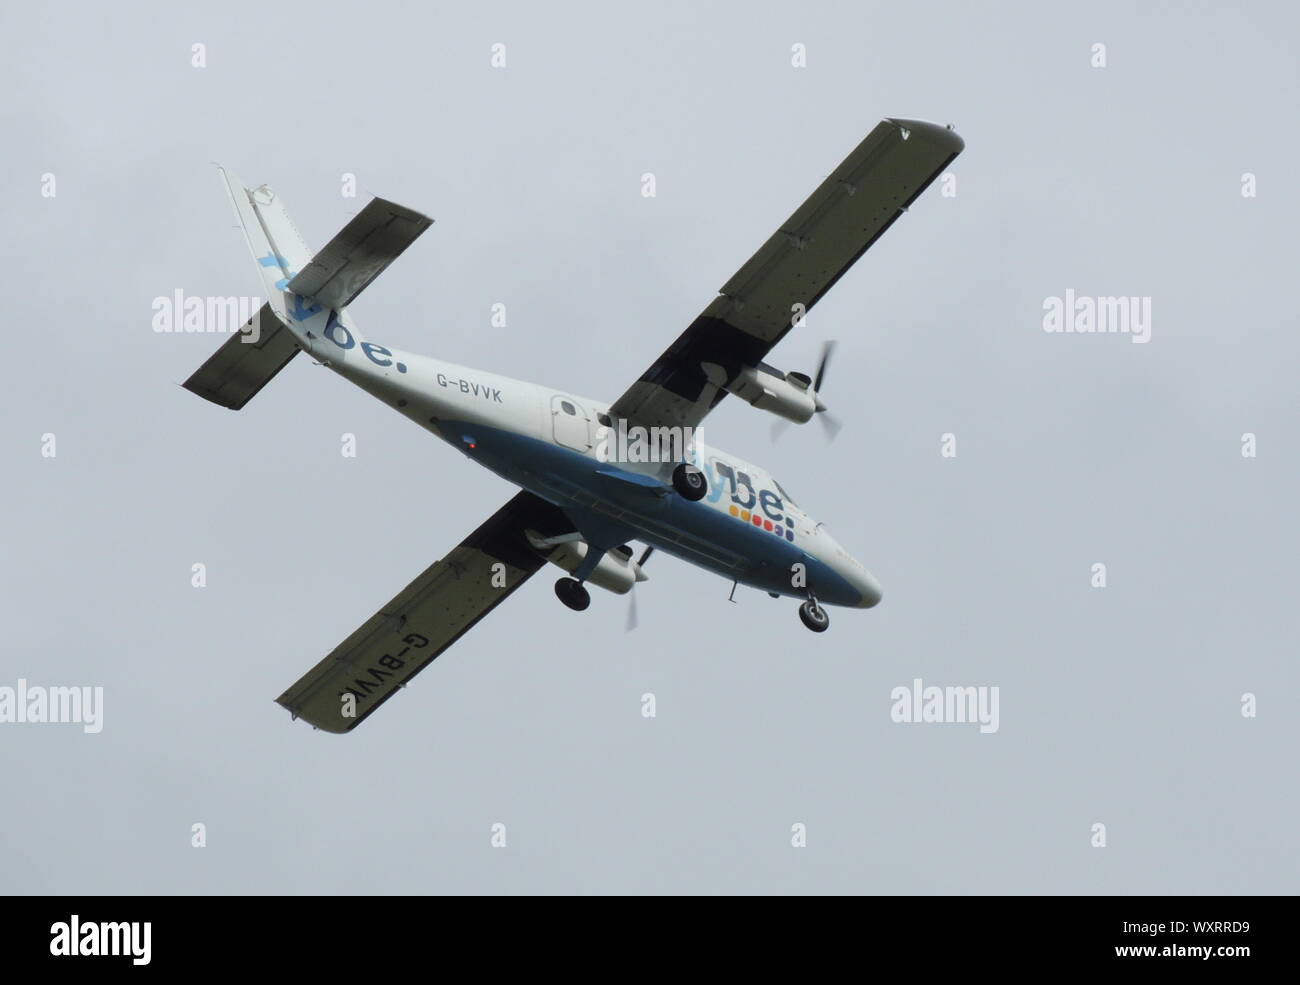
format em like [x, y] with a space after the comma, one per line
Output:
[568, 407]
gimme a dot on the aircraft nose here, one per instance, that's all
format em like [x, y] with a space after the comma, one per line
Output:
[868, 588]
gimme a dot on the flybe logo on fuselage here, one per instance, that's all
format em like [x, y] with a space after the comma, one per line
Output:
[337, 333]
[382, 357]
[746, 500]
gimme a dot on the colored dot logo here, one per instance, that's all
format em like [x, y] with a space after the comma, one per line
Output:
[745, 516]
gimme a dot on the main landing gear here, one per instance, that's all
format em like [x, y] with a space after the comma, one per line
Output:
[690, 482]
[572, 593]
[814, 616]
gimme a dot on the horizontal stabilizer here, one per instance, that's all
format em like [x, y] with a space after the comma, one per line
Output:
[359, 253]
[245, 362]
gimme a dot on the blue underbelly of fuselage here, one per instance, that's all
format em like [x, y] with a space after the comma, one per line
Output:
[634, 505]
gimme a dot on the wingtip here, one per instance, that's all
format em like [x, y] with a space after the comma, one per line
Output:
[934, 133]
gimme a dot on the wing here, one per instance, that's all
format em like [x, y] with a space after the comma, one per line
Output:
[801, 261]
[427, 617]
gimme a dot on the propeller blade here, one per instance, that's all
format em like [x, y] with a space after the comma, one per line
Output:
[831, 423]
[631, 612]
[631, 602]
[827, 349]
[779, 427]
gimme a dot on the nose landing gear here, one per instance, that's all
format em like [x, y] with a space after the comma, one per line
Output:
[814, 616]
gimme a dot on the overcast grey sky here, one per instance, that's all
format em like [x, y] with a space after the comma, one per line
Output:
[1119, 706]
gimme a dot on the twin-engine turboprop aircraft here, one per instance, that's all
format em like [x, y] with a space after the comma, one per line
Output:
[594, 476]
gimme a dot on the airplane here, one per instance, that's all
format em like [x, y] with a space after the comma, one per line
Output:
[580, 506]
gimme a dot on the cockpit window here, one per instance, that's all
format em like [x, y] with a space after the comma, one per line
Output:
[785, 495]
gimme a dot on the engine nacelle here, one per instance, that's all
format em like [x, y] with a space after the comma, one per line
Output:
[615, 572]
[787, 395]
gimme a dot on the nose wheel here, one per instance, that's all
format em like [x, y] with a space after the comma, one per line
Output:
[572, 593]
[814, 616]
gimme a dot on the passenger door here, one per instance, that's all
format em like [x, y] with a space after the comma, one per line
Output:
[570, 423]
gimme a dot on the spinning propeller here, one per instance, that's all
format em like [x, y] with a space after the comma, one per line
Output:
[829, 421]
[631, 605]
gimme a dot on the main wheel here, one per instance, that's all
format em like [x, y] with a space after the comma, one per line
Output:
[814, 616]
[572, 593]
[690, 482]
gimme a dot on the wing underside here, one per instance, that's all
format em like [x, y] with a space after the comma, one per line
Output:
[426, 618]
[798, 264]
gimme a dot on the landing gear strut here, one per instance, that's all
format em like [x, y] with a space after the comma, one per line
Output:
[689, 482]
[814, 616]
[572, 593]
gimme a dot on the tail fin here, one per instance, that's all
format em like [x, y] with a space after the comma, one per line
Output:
[273, 239]
[328, 282]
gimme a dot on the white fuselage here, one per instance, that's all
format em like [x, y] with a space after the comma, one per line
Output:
[558, 447]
